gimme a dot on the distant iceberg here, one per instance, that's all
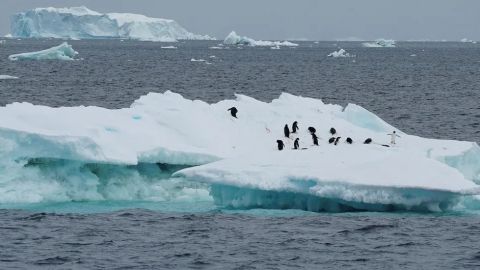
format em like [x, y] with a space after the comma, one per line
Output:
[7, 77]
[340, 53]
[380, 43]
[133, 153]
[83, 23]
[466, 40]
[63, 51]
[234, 39]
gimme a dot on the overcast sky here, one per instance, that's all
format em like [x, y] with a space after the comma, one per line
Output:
[294, 19]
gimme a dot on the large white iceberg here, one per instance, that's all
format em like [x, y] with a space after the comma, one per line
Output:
[380, 43]
[234, 39]
[92, 153]
[83, 23]
[63, 51]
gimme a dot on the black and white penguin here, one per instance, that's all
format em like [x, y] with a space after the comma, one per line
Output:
[349, 140]
[280, 145]
[337, 140]
[331, 140]
[233, 111]
[333, 131]
[295, 127]
[312, 130]
[315, 139]
[368, 141]
[296, 144]
[286, 131]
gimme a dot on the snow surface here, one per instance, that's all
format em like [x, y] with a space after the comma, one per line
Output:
[380, 43]
[83, 23]
[94, 147]
[340, 53]
[234, 39]
[7, 77]
[63, 51]
[168, 47]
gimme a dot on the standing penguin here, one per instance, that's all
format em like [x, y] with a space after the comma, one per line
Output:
[315, 139]
[337, 140]
[296, 144]
[393, 137]
[286, 131]
[295, 127]
[333, 131]
[349, 140]
[280, 145]
[312, 130]
[233, 111]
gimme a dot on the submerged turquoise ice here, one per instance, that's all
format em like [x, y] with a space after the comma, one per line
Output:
[155, 155]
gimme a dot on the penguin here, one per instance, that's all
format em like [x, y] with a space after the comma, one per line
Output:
[368, 141]
[337, 140]
[233, 111]
[349, 140]
[312, 130]
[333, 131]
[295, 127]
[286, 131]
[280, 145]
[315, 139]
[296, 144]
[331, 140]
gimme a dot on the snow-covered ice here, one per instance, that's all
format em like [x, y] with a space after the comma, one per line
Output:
[236, 159]
[7, 77]
[234, 39]
[63, 51]
[340, 53]
[83, 23]
[380, 43]
[168, 47]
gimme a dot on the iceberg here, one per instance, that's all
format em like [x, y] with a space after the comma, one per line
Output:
[63, 51]
[83, 23]
[234, 39]
[380, 43]
[466, 40]
[159, 149]
[7, 77]
[340, 53]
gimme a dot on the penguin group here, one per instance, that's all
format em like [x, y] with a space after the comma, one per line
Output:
[334, 139]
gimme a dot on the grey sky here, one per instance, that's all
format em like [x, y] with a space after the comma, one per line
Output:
[294, 19]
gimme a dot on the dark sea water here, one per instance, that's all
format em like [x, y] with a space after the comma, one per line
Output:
[435, 94]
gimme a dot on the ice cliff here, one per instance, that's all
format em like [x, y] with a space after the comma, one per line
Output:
[83, 23]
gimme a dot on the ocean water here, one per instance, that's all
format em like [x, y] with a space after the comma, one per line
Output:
[433, 94]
